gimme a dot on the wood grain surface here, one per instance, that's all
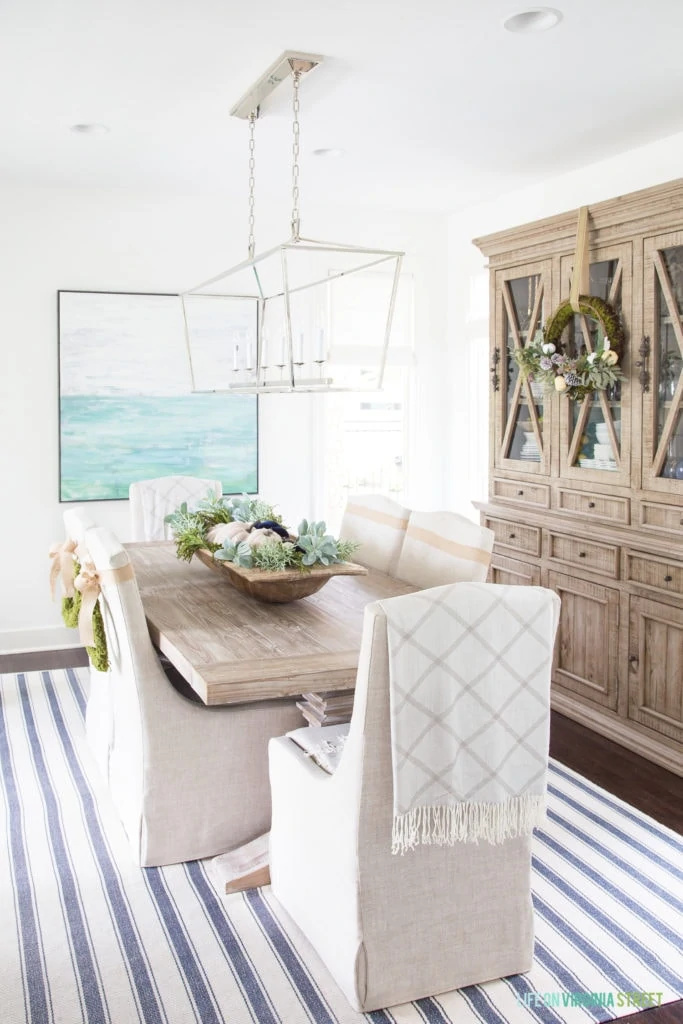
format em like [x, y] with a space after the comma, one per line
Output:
[233, 649]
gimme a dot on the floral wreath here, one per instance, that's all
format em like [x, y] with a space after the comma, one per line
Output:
[543, 359]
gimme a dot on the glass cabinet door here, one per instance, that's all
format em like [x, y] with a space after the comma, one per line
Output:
[521, 425]
[595, 434]
[662, 381]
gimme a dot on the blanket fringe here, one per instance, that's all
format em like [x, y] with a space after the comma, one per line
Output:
[467, 822]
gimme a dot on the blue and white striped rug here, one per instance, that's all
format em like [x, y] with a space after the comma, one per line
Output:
[88, 936]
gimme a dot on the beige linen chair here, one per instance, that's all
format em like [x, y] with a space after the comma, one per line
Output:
[444, 547]
[188, 781]
[389, 928]
[152, 500]
[378, 524]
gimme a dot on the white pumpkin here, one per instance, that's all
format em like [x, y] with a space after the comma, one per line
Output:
[227, 531]
[263, 536]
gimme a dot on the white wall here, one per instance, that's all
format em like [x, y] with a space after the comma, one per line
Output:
[117, 241]
[468, 318]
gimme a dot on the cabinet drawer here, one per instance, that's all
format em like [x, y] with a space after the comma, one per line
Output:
[513, 572]
[654, 516]
[602, 558]
[522, 493]
[595, 506]
[519, 538]
[664, 575]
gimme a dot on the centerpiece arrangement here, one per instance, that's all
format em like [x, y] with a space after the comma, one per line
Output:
[245, 540]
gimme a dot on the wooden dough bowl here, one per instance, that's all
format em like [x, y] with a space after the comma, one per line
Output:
[279, 587]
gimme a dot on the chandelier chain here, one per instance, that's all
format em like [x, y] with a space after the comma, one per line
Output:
[252, 183]
[296, 215]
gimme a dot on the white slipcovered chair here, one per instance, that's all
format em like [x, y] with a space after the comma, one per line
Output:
[389, 928]
[152, 500]
[188, 781]
[98, 714]
[444, 547]
[378, 524]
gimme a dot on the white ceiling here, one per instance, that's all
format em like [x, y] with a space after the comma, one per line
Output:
[433, 102]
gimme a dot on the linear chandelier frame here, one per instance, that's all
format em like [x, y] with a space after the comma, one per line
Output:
[273, 281]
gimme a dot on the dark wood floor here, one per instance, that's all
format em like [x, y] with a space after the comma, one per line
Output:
[651, 789]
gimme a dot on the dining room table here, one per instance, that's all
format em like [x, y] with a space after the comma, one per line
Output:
[234, 649]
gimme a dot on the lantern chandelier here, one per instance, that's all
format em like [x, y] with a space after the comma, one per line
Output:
[310, 316]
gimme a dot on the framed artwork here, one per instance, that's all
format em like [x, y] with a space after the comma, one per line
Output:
[126, 407]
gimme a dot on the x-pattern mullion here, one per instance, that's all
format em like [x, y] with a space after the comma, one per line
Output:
[677, 400]
[522, 381]
[602, 397]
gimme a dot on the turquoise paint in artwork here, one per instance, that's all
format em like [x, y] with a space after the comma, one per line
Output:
[108, 443]
[127, 407]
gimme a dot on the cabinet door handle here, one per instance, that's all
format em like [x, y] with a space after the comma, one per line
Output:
[644, 353]
[633, 658]
[512, 536]
[495, 379]
[591, 504]
[582, 554]
[520, 493]
[668, 579]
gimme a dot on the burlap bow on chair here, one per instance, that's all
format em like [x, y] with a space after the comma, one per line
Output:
[62, 567]
[89, 584]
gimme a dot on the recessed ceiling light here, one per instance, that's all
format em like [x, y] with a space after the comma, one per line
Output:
[328, 152]
[535, 19]
[90, 129]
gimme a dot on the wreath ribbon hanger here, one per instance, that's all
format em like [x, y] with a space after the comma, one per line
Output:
[580, 274]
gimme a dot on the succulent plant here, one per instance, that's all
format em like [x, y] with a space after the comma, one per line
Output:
[239, 554]
[316, 545]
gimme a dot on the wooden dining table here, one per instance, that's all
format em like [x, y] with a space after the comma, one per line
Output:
[233, 649]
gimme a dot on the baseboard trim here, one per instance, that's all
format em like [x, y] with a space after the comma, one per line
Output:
[47, 638]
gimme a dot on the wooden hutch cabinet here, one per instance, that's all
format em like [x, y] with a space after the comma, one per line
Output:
[587, 498]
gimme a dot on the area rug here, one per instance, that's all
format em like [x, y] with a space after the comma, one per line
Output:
[89, 937]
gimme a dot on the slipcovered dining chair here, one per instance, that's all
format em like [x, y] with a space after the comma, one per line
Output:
[152, 500]
[444, 547]
[98, 712]
[393, 928]
[188, 781]
[378, 524]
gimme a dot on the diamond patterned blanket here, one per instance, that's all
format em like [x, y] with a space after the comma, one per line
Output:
[469, 668]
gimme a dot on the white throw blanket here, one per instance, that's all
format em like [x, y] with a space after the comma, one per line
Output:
[152, 500]
[469, 668]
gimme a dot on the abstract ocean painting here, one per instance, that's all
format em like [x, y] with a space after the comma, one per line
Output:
[126, 408]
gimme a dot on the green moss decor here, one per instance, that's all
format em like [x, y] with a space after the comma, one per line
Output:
[71, 607]
[543, 359]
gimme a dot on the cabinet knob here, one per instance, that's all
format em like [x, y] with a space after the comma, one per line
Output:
[591, 504]
[512, 536]
[520, 493]
[668, 579]
[582, 554]
[633, 658]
